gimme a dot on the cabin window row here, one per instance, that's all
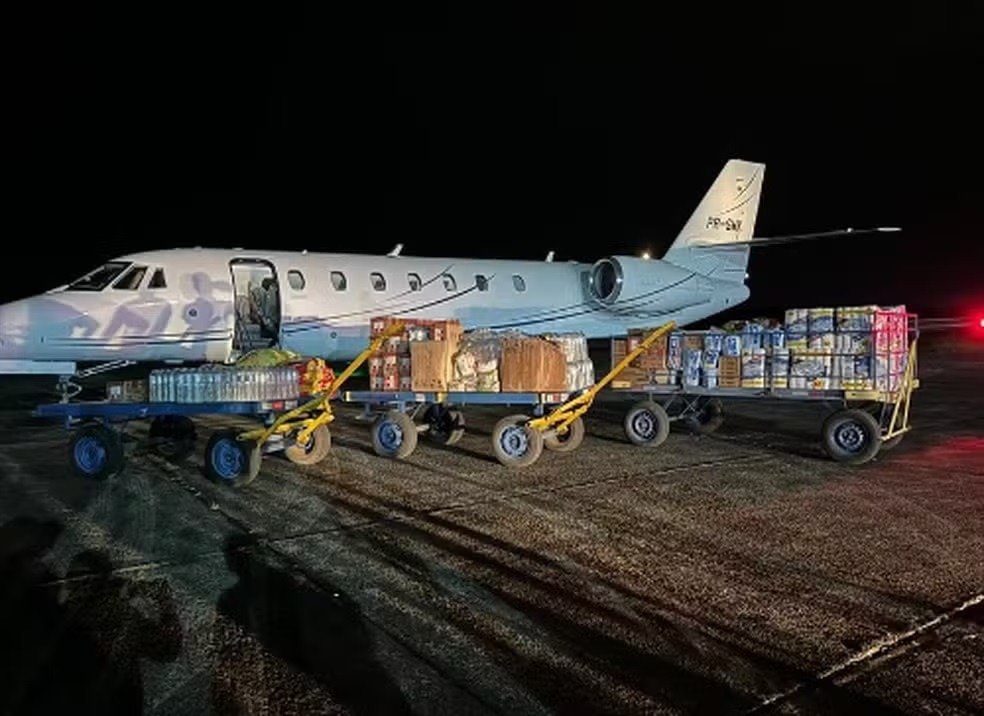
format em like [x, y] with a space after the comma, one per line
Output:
[378, 282]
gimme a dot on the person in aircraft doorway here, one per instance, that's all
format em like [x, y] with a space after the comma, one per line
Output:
[269, 310]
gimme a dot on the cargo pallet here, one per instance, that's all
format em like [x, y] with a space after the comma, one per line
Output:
[233, 457]
[860, 425]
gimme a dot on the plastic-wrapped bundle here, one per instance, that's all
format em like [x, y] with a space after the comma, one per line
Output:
[753, 368]
[580, 374]
[714, 342]
[574, 345]
[674, 351]
[691, 367]
[752, 336]
[732, 345]
[475, 367]
[779, 368]
[709, 360]
[820, 320]
[709, 379]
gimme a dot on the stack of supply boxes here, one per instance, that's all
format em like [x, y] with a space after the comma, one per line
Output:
[417, 358]
[660, 364]
[438, 356]
[847, 348]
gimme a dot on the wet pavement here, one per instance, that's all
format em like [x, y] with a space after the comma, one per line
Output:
[742, 572]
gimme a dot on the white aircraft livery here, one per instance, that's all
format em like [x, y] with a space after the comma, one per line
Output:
[200, 304]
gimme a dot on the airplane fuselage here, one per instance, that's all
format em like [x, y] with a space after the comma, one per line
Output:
[197, 304]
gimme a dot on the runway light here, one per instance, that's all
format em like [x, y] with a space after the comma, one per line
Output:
[646, 256]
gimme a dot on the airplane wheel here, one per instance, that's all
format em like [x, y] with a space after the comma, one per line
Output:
[314, 451]
[647, 424]
[394, 435]
[851, 436]
[96, 452]
[172, 436]
[230, 461]
[569, 441]
[514, 443]
[444, 426]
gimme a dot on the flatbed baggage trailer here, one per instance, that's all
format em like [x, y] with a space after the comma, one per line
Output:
[861, 423]
[517, 440]
[298, 427]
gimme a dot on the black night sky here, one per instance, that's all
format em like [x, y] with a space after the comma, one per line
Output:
[494, 131]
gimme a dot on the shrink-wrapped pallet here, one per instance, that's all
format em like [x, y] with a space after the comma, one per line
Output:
[731, 345]
[530, 365]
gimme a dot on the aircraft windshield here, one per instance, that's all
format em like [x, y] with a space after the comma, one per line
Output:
[100, 278]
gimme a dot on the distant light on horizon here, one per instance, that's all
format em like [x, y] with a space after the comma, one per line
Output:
[646, 255]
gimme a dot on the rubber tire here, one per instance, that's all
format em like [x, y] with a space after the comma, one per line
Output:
[381, 443]
[712, 417]
[173, 437]
[445, 426]
[656, 415]
[863, 420]
[569, 441]
[317, 449]
[108, 455]
[891, 442]
[249, 465]
[534, 444]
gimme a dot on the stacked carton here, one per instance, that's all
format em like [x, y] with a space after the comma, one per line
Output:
[847, 348]
[653, 366]
[417, 358]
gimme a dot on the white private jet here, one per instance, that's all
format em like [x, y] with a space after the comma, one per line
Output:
[194, 304]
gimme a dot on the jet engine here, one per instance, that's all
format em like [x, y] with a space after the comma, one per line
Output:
[631, 284]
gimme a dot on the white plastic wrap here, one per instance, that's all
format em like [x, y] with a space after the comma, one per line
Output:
[574, 345]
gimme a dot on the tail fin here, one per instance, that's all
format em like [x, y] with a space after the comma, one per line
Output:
[715, 241]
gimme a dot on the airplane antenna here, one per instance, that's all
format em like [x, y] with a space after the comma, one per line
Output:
[549, 258]
[396, 250]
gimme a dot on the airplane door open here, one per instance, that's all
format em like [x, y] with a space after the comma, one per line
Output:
[258, 304]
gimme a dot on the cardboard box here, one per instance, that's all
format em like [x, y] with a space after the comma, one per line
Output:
[127, 391]
[654, 358]
[532, 365]
[430, 365]
[729, 371]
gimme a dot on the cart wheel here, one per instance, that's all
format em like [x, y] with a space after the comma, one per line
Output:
[445, 427]
[707, 418]
[173, 436]
[314, 451]
[647, 424]
[569, 441]
[851, 436]
[394, 435]
[96, 452]
[230, 461]
[515, 443]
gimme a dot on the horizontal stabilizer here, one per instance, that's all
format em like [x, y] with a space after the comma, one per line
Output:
[774, 241]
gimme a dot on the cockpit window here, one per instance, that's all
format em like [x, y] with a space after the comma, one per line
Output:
[100, 278]
[157, 280]
[131, 279]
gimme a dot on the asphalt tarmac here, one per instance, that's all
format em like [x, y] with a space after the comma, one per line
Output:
[742, 572]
